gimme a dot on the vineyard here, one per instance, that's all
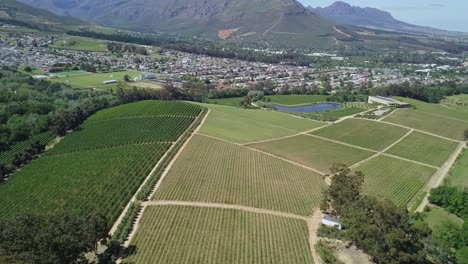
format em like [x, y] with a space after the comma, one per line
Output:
[393, 179]
[458, 174]
[314, 152]
[424, 148]
[94, 169]
[243, 125]
[363, 133]
[7, 156]
[211, 170]
[457, 103]
[442, 126]
[170, 234]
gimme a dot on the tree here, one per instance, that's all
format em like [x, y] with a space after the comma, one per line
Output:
[466, 134]
[462, 255]
[127, 78]
[28, 69]
[58, 238]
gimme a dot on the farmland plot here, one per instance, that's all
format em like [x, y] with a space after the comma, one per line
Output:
[171, 234]
[244, 125]
[314, 152]
[393, 179]
[211, 170]
[95, 169]
[459, 174]
[424, 148]
[441, 126]
[7, 156]
[363, 133]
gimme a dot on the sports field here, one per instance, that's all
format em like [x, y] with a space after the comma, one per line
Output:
[210, 170]
[424, 148]
[363, 133]
[246, 125]
[80, 44]
[96, 80]
[294, 100]
[314, 152]
[99, 167]
[171, 234]
[442, 126]
[393, 179]
[458, 176]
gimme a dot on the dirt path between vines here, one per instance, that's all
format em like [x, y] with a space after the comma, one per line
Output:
[158, 184]
[438, 178]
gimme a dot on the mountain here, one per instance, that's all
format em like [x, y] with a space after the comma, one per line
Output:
[278, 21]
[16, 13]
[344, 13]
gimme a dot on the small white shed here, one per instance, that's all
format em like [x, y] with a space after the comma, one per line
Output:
[331, 222]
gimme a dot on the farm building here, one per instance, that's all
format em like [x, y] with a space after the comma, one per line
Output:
[331, 222]
[387, 101]
[109, 82]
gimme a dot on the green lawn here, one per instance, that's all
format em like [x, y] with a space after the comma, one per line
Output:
[457, 102]
[294, 100]
[363, 133]
[393, 179]
[176, 234]
[441, 126]
[314, 152]
[424, 148]
[247, 125]
[438, 216]
[458, 176]
[96, 80]
[343, 112]
[80, 44]
[211, 170]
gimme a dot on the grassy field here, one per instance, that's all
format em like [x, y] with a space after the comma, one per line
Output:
[234, 101]
[396, 180]
[246, 125]
[438, 109]
[424, 148]
[70, 74]
[363, 133]
[457, 102]
[80, 44]
[170, 234]
[294, 100]
[343, 112]
[458, 176]
[441, 126]
[438, 216]
[95, 169]
[314, 152]
[211, 170]
[96, 80]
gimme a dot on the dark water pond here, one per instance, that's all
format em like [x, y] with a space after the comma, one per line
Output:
[309, 108]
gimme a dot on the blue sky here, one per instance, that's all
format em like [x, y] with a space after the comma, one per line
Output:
[447, 14]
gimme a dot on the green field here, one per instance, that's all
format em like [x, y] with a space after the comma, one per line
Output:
[295, 100]
[314, 152]
[247, 125]
[70, 74]
[363, 133]
[393, 179]
[234, 101]
[424, 148]
[458, 176]
[456, 102]
[343, 112]
[95, 169]
[170, 234]
[437, 109]
[441, 126]
[438, 216]
[96, 80]
[7, 156]
[211, 170]
[80, 44]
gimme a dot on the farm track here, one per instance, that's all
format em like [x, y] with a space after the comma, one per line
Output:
[158, 164]
[438, 178]
[158, 184]
[286, 137]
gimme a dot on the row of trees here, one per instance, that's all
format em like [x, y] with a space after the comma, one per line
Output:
[20, 159]
[115, 47]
